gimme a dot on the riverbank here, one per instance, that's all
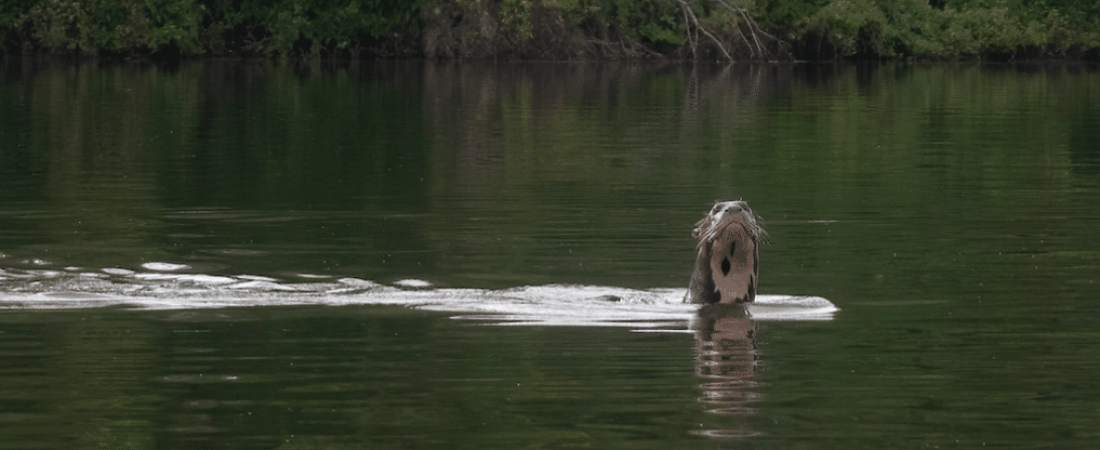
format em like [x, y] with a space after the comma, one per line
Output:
[556, 29]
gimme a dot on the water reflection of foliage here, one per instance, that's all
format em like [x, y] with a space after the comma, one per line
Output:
[487, 170]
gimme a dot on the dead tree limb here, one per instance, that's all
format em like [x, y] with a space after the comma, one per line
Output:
[692, 40]
[754, 29]
[694, 21]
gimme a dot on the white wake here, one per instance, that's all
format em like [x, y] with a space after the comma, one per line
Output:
[168, 286]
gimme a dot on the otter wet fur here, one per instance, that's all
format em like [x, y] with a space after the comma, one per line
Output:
[727, 267]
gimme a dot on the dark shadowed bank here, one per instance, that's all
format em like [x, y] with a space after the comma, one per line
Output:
[555, 29]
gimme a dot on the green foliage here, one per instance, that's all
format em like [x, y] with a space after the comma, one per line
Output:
[129, 26]
[850, 26]
[915, 28]
[1001, 31]
[649, 20]
[784, 13]
[115, 25]
[174, 22]
[276, 27]
[12, 13]
[826, 28]
[578, 13]
[515, 19]
[721, 22]
[339, 22]
[652, 21]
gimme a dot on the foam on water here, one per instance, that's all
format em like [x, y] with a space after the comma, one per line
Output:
[165, 286]
[165, 267]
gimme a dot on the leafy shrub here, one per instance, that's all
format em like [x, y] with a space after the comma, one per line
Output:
[515, 20]
[785, 14]
[278, 27]
[615, 28]
[849, 27]
[651, 21]
[905, 28]
[646, 20]
[12, 13]
[115, 25]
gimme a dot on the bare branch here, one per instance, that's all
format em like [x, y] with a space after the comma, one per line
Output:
[754, 29]
[695, 21]
[691, 39]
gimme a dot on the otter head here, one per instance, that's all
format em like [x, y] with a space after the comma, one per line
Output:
[727, 266]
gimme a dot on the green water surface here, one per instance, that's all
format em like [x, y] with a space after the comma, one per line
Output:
[951, 212]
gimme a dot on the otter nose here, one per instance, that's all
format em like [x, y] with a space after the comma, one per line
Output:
[737, 206]
[732, 206]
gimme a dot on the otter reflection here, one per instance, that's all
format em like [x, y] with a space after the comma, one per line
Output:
[725, 348]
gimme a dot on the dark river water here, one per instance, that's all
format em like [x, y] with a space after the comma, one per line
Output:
[421, 255]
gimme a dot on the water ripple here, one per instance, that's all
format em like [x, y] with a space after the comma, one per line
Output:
[160, 286]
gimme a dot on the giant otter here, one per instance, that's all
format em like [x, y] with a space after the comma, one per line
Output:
[727, 267]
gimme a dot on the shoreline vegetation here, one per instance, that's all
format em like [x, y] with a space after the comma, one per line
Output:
[712, 30]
